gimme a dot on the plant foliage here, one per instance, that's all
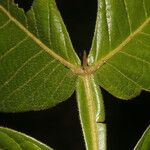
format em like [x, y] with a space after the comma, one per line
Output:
[39, 67]
[13, 140]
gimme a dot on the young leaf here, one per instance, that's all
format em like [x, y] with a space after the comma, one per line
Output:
[37, 59]
[121, 47]
[10, 139]
[144, 142]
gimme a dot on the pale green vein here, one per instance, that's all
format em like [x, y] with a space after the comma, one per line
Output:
[59, 84]
[30, 79]
[144, 6]
[74, 68]
[13, 48]
[17, 145]
[108, 20]
[142, 43]
[102, 61]
[128, 17]
[146, 34]
[40, 85]
[35, 22]
[128, 78]
[5, 24]
[47, 78]
[49, 25]
[19, 69]
[135, 57]
[30, 143]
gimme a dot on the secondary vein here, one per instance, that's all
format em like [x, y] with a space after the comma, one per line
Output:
[94, 67]
[74, 68]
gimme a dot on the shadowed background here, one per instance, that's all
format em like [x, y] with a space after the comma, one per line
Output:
[59, 127]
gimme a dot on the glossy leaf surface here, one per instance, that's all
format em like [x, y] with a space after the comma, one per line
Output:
[144, 142]
[11, 139]
[121, 47]
[35, 54]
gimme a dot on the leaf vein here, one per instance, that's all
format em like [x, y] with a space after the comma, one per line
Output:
[47, 78]
[74, 68]
[13, 48]
[5, 24]
[59, 84]
[141, 42]
[98, 64]
[145, 10]
[135, 57]
[108, 21]
[146, 34]
[22, 66]
[34, 18]
[30, 79]
[128, 17]
[128, 78]
[49, 24]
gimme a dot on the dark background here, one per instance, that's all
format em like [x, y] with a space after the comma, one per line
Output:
[59, 127]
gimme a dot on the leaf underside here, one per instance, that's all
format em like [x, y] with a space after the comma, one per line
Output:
[11, 139]
[121, 47]
[30, 78]
[38, 65]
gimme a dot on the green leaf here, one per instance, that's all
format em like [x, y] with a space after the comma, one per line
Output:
[11, 139]
[37, 60]
[144, 142]
[121, 47]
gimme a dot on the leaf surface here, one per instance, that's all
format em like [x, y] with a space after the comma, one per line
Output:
[11, 139]
[144, 142]
[121, 47]
[37, 59]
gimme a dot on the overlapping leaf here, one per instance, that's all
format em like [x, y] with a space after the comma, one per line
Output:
[121, 47]
[10, 139]
[35, 54]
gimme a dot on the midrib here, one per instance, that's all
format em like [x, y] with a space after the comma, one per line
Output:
[78, 69]
[74, 68]
[91, 69]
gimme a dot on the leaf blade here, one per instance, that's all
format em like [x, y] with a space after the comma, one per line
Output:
[47, 29]
[11, 139]
[40, 42]
[116, 48]
[27, 70]
[144, 142]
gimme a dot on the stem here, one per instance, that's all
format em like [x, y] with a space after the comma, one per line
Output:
[92, 115]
